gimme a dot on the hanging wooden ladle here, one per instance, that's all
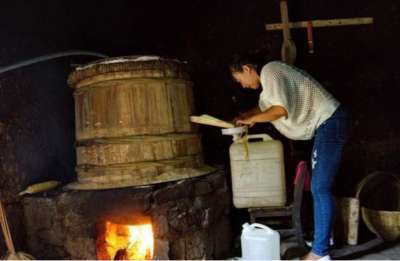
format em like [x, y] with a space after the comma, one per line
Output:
[288, 51]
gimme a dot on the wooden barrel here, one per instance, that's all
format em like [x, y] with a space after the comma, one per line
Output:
[133, 123]
[131, 96]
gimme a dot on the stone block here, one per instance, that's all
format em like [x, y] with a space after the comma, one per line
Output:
[161, 250]
[202, 188]
[195, 244]
[223, 238]
[81, 248]
[217, 180]
[178, 249]
[178, 220]
[160, 226]
[208, 217]
[173, 192]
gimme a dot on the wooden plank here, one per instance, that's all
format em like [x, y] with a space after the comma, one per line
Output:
[351, 250]
[212, 121]
[323, 23]
[138, 149]
[347, 220]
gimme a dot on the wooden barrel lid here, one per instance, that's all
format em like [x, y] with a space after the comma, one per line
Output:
[127, 67]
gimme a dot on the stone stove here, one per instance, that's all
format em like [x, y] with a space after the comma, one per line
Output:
[189, 219]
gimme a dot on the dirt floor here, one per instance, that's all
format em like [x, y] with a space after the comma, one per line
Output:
[389, 252]
[386, 251]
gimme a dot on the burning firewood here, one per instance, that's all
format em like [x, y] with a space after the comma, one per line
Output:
[121, 254]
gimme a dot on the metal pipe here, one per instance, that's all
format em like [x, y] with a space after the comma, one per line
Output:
[49, 57]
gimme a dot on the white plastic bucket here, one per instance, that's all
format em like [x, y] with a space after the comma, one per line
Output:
[258, 172]
[260, 242]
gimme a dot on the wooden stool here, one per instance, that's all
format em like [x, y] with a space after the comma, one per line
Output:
[293, 210]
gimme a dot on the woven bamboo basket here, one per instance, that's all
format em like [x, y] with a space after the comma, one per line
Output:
[384, 223]
[381, 222]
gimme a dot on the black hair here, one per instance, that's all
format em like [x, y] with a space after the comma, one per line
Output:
[254, 60]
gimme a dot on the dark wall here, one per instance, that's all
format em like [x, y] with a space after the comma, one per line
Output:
[357, 64]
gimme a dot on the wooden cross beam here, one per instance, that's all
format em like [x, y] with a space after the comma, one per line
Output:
[323, 23]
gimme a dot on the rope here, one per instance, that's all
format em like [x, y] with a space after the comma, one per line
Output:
[246, 144]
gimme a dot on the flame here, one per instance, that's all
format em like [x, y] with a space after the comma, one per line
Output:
[131, 242]
[141, 244]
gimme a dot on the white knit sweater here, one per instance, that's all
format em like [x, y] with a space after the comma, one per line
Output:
[308, 104]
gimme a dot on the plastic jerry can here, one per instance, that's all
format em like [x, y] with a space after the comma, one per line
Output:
[259, 242]
[258, 173]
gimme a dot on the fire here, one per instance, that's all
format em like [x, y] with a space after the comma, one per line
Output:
[128, 242]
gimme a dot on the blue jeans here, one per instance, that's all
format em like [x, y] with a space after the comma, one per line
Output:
[329, 141]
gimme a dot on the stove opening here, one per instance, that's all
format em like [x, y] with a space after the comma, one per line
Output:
[125, 241]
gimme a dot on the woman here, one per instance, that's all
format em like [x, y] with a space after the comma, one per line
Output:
[301, 109]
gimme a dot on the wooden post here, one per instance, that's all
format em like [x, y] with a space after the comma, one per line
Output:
[288, 51]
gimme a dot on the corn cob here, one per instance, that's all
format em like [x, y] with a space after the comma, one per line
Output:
[40, 187]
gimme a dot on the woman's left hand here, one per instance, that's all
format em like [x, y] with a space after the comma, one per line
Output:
[248, 121]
